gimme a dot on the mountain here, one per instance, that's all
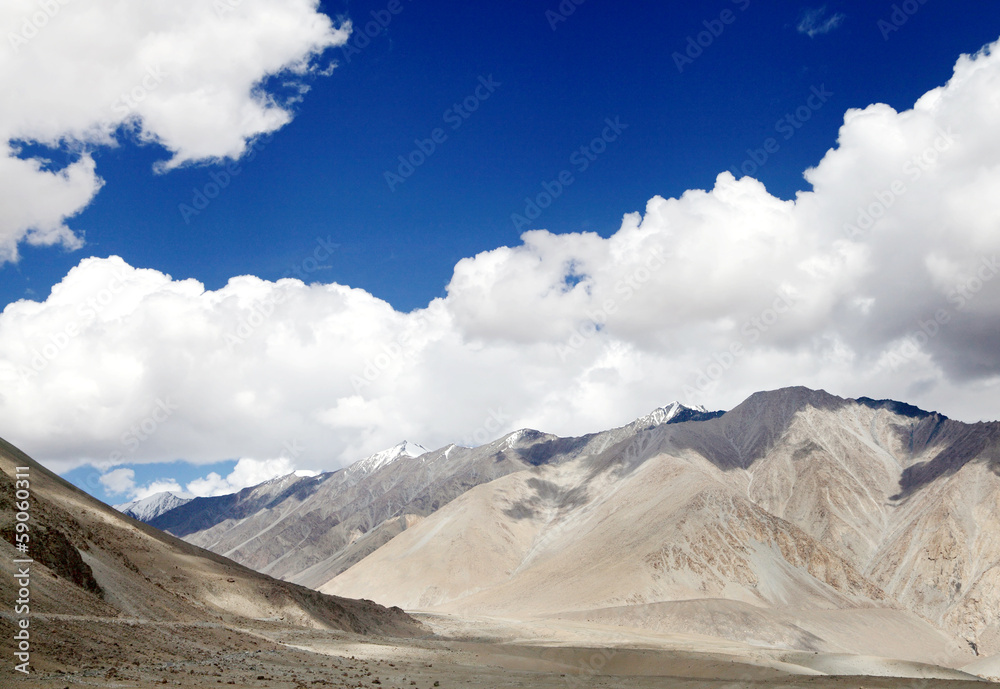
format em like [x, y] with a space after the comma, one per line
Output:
[797, 519]
[371, 464]
[107, 590]
[152, 506]
[309, 529]
[675, 412]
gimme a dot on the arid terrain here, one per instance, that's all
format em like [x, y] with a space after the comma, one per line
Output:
[654, 555]
[90, 652]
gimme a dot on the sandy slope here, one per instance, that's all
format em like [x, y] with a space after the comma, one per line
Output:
[784, 590]
[985, 667]
[792, 506]
[889, 633]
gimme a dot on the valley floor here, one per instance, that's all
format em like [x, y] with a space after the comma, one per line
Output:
[456, 652]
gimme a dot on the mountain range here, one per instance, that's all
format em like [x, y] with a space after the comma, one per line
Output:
[797, 520]
[309, 529]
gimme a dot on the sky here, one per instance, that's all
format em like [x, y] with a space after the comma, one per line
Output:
[248, 237]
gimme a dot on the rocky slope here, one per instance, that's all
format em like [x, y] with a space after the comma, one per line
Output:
[98, 576]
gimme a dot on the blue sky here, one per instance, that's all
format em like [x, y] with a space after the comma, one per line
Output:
[606, 107]
[322, 175]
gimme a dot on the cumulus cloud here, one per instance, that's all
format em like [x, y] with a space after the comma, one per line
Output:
[815, 22]
[247, 472]
[880, 280]
[119, 481]
[186, 75]
[159, 486]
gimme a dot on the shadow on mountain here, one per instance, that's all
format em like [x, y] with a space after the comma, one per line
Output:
[960, 444]
[547, 496]
[204, 513]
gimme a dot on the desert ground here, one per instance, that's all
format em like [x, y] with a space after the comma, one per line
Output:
[452, 652]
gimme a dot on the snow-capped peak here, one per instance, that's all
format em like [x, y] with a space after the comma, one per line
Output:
[152, 506]
[514, 437]
[370, 465]
[665, 414]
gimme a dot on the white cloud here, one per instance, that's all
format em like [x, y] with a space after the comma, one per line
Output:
[247, 472]
[119, 482]
[882, 280]
[184, 74]
[816, 22]
[159, 486]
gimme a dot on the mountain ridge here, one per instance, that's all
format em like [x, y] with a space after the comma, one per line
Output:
[795, 497]
[795, 486]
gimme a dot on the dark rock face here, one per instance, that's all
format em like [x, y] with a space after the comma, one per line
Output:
[53, 549]
[49, 544]
[957, 444]
[895, 407]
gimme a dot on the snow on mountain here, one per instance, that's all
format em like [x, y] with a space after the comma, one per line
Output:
[152, 506]
[662, 415]
[373, 463]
